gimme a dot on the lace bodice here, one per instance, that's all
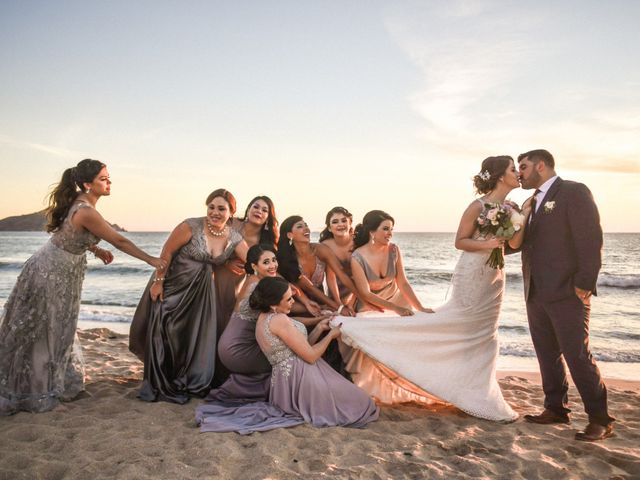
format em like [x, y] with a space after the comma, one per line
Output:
[197, 249]
[69, 239]
[279, 352]
[244, 310]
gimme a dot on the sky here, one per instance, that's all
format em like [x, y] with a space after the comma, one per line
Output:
[369, 105]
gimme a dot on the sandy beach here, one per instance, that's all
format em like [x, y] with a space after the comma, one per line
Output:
[108, 433]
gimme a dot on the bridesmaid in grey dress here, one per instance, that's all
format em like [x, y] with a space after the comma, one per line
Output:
[377, 269]
[39, 362]
[304, 388]
[174, 329]
[238, 349]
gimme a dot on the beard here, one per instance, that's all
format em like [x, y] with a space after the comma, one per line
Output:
[534, 181]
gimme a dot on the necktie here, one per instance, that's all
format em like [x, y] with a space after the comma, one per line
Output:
[534, 204]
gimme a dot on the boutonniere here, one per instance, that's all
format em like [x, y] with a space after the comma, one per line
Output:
[549, 206]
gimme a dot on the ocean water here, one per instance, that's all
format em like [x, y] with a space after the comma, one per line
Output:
[111, 292]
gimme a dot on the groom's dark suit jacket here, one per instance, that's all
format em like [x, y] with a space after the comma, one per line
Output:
[563, 243]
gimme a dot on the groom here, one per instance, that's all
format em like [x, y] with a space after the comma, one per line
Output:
[561, 258]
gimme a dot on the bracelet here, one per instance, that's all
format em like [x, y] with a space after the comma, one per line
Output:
[339, 309]
[158, 279]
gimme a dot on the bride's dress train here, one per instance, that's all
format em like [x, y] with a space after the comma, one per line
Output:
[450, 355]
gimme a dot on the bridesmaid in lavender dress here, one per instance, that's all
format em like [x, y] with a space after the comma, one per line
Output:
[304, 388]
[39, 363]
[237, 349]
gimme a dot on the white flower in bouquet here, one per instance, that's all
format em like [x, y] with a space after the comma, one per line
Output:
[517, 220]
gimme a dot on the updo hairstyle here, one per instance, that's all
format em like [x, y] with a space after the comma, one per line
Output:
[492, 169]
[268, 292]
[370, 223]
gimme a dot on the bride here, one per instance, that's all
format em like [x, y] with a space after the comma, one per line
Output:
[450, 354]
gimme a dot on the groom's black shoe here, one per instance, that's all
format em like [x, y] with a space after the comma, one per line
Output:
[548, 417]
[594, 432]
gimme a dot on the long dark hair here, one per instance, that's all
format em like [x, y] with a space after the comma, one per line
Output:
[287, 257]
[254, 254]
[490, 172]
[370, 222]
[267, 293]
[268, 235]
[326, 233]
[67, 190]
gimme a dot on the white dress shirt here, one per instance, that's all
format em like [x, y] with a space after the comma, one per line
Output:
[543, 189]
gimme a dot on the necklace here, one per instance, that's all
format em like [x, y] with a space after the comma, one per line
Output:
[216, 233]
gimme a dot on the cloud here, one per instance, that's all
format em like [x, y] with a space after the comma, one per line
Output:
[50, 149]
[492, 83]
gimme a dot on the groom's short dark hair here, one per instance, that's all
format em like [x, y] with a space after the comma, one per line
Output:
[539, 155]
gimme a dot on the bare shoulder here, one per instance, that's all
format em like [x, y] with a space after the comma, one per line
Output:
[475, 206]
[329, 242]
[473, 209]
[321, 250]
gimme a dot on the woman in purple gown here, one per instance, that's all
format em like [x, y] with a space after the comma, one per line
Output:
[237, 348]
[304, 388]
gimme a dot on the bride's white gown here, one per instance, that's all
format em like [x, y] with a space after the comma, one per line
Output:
[450, 355]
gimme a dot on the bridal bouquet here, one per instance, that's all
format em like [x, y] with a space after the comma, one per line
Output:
[499, 220]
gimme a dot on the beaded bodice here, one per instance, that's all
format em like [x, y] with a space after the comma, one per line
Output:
[244, 310]
[69, 239]
[279, 352]
[197, 249]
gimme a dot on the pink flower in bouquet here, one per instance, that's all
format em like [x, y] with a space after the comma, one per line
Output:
[501, 221]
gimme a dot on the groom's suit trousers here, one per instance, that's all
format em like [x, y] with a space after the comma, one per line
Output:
[560, 330]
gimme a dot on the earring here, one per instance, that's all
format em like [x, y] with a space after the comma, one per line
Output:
[88, 190]
[273, 309]
[266, 227]
[291, 242]
[373, 241]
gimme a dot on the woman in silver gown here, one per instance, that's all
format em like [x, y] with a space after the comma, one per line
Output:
[39, 362]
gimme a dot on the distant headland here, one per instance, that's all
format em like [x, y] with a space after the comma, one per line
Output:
[33, 222]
